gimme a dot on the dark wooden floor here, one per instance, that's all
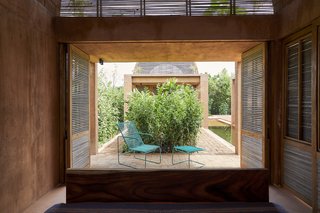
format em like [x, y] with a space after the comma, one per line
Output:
[279, 196]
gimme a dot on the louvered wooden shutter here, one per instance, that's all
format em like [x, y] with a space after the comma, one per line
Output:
[297, 160]
[87, 8]
[306, 101]
[293, 91]
[252, 96]
[121, 8]
[79, 107]
[298, 101]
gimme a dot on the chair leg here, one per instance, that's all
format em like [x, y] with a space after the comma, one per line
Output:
[150, 161]
[189, 160]
[118, 146]
[145, 160]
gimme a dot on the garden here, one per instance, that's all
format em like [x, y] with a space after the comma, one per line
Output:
[172, 113]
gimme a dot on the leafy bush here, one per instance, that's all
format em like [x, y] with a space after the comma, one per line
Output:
[173, 115]
[110, 110]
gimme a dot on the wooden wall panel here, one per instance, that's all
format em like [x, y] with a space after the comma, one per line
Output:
[297, 171]
[248, 185]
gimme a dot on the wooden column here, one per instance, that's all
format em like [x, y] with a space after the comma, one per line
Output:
[204, 98]
[275, 94]
[239, 112]
[235, 133]
[127, 90]
[93, 108]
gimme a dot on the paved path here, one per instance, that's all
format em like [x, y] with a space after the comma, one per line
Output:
[218, 154]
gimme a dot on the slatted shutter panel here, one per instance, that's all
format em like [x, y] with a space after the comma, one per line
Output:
[79, 109]
[298, 171]
[121, 8]
[299, 101]
[293, 91]
[254, 7]
[169, 8]
[297, 157]
[104, 8]
[252, 96]
[306, 100]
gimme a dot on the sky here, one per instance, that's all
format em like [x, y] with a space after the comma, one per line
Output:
[109, 69]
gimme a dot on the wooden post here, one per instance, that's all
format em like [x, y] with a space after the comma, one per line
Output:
[204, 98]
[93, 109]
[127, 90]
[239, 102]
[234, 112]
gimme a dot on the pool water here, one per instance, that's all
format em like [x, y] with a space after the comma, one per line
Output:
[223, 132]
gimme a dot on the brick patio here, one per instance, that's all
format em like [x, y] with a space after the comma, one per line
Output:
[218, 154]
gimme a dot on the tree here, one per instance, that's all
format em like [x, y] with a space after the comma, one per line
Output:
[220, 93]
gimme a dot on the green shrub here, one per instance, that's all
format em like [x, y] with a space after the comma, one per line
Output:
[172, 116]
[110, 110]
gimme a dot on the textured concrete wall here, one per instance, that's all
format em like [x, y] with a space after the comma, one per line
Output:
[297, 15]
[29, 103]
[166, 28]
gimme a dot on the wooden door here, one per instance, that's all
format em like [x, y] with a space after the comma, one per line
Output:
[78, 110]
[253, 96]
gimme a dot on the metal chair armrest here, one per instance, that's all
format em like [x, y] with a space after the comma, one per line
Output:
[147, 134]
[129, 137]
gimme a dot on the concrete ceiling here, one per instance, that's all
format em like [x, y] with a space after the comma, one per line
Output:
[166, 51]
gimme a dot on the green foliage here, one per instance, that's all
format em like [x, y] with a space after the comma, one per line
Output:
[79, 5]
[223, 7]
[220, 94]
[110, 109]
[172, 116]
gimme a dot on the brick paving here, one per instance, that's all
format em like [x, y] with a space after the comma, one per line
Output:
[218, 154]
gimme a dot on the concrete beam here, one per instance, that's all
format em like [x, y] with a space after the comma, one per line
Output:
[166, 28]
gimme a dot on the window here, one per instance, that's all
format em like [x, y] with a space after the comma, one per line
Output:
[298, 90]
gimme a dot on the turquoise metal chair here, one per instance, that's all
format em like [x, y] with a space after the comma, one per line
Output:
[134, 142]
[188, 150]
